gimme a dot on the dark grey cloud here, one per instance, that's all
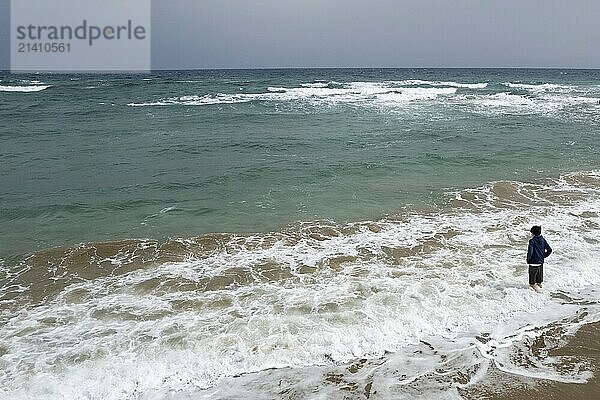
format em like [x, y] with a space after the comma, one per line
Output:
[379, 33]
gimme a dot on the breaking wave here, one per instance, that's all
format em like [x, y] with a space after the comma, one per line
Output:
[552, 100]
[150, 319]
[327, 93]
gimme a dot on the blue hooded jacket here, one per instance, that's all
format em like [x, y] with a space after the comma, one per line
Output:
[538, 250]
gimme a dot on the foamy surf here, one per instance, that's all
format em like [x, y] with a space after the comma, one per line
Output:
[409, 96]
[412, 301]
[332, 93]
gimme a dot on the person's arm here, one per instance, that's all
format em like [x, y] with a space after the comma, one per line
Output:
[547, 249]
[529, 252]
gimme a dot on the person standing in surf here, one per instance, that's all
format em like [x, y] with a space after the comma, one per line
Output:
[537, 251]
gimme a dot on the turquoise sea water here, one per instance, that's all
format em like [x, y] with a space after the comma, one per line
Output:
[105, 157]
[293, 233]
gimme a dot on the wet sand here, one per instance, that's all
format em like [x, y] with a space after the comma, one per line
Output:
[584, 346]
[366, 378]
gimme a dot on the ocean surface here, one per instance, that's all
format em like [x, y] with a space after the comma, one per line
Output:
[352, 233]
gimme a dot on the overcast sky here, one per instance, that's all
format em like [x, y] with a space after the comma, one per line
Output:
[379, 33]
[375, 33]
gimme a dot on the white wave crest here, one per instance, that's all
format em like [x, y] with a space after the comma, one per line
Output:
[541, 87]
[321, 84]
[197, 100]
[414, 82]
[555, 105]
[364, 94]
[24, 89]
[506, 100]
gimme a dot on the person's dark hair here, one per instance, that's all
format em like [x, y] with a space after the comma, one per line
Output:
[536, 230]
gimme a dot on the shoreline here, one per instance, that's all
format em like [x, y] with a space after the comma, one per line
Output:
[362, 378]
[583, 346]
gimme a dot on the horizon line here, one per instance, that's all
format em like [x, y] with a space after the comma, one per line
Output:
[293, 68]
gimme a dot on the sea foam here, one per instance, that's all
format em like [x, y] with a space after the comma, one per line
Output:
[332, 93]
[315, 294]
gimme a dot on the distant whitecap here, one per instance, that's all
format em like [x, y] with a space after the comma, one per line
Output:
[24, 89]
